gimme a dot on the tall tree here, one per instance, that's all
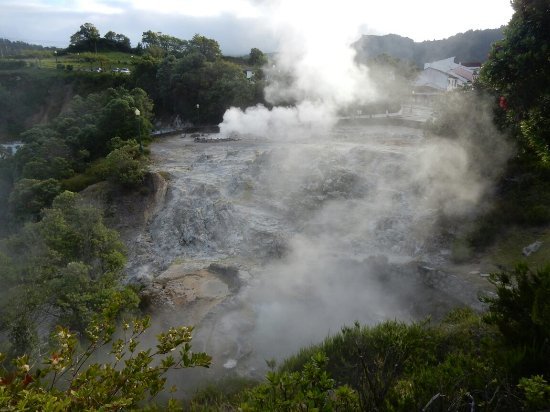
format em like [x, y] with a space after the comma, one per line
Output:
[110, 35]
[76, 260]
[519, 73]
[122, 40]
[88, 33]
[158, 44]
[209, 48]
[256, 57]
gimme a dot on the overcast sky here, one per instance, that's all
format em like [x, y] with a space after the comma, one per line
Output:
[239, 25]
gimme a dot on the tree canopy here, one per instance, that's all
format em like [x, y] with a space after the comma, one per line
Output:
[88, 34]
[519, 74]
[76, 260]
[88, 38]
[256, 57]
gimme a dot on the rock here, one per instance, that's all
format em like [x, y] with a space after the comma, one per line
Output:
[196, 293]
[137, 205]
[532, 248]
[230, 364]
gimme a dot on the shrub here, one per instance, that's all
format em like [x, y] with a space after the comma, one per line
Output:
[521, 311]
[309, 389]
[29, 196]
[125, 166]
[537, 392]
[79, 182]
[68, 381]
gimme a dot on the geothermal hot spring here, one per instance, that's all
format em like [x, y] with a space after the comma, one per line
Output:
[266, 245]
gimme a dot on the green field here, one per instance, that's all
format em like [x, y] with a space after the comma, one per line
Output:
[107, 61]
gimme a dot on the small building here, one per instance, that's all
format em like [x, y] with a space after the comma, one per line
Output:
[249, 73]
[443, 76]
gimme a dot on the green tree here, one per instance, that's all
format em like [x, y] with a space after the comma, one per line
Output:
[125, 165]
[116, 41]
[66, 267]
[92, 122]
[88, 34]
[30, 196]
[519, 74]
[256, 57]
[145, 75]
[209, 48]
[110, 35]
[214, 85]
[164, 80]
[158, 44]
[226, 86]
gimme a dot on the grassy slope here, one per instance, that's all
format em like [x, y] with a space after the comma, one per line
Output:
[507, 250]
[84, 61]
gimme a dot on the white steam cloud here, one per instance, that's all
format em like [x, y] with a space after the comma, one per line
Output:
[314, 71]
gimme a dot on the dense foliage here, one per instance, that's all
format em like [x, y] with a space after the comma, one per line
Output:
[59, 270]
[68, 152]
[31, 96]
[192, 79]
[61, 264]
[467, 362]
[519, 74]
[521, 311]
[70, 379]
[88, 39]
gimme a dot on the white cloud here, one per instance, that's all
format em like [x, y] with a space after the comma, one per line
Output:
[435, 19]
[96, 7]
[194, 8]
[241, 24]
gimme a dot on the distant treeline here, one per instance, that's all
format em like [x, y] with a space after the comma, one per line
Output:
[88, 39]
[472, 46]
[10, 48]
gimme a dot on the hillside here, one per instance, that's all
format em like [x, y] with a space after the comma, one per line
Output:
[473, 45]
[10, 48]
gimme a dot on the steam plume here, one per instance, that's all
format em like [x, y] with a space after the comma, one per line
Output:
[314, 70]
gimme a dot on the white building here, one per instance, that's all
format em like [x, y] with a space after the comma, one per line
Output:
[442, 76]
[249, 73]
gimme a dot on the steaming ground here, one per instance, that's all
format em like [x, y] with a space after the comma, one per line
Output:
[307, 235]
